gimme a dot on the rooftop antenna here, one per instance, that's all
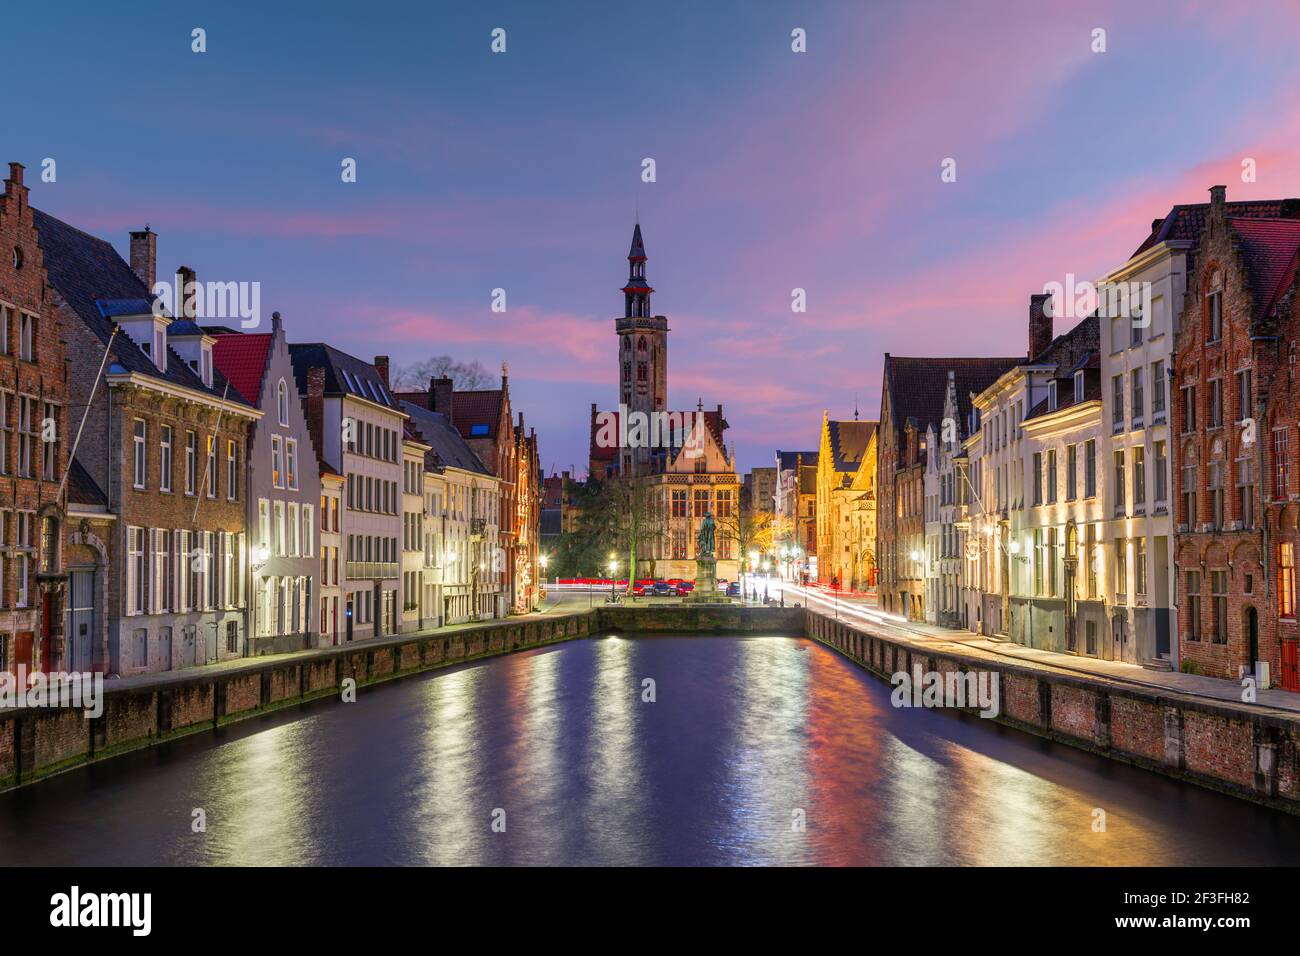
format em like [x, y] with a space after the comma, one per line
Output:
[855, 406]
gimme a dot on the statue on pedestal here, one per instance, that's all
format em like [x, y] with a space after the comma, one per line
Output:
[704, 540]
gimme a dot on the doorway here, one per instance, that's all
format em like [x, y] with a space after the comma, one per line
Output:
[81, 619]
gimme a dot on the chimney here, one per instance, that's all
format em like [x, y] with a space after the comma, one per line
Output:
[14, 188]
[440, 392]
[314, 408]
[381, 366]
[188, 293]
[1218, 195]
[1040, 323]
[144, 256]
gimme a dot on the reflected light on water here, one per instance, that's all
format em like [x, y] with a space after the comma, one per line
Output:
[743, 732]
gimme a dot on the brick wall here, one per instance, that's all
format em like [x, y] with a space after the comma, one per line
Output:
[1247, 343]
[41, 378]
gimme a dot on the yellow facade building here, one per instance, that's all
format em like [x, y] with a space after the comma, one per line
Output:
[846, 503]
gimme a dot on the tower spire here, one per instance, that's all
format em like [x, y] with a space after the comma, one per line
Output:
[636, 294]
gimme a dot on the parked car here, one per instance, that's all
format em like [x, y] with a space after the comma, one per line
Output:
[685, 587]
[639, 589]
[733, 589]
[665, 589]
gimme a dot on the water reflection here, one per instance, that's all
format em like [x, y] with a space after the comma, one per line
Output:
[747, 739]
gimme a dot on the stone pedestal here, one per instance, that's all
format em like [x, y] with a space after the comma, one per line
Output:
[706, 576]
[706, 584]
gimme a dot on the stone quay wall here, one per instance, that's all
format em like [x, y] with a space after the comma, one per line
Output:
[1244, 750]
[36, 742]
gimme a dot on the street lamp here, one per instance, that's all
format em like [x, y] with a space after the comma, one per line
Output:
[543, 560]
[613, 570]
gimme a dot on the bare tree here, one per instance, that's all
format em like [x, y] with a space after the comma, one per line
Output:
[637, 520]
[750, 530]
[465, 375]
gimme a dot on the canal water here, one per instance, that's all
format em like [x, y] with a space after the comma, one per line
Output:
[760, 750]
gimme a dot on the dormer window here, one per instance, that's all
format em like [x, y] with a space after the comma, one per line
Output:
[159, 353]
[205, 366]
[1078, 386]
[1051, 396]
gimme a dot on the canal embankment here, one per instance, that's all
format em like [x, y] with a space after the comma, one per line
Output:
[1246, 750]
[36, 742]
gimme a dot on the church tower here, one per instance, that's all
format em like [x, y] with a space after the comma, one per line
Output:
[642, 340]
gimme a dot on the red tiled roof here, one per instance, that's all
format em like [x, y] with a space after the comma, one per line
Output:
[242, 359]
[476, 407]
[1185, 223]
[1269, 249]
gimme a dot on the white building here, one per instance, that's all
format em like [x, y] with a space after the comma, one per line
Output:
[358, 427]
[1022, 527]
[414, 450]
[1136, 370]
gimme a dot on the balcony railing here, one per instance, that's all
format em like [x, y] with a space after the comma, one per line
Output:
[360, 570]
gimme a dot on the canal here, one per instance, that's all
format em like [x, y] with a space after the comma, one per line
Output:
[763, 750]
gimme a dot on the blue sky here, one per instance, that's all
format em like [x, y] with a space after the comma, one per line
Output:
[776, 170]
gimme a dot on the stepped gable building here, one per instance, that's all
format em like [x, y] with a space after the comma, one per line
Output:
[33, 456]
[911, 401]
[284, 490]
[846, 502]
[1235, 454]
[683, 454]
[163, 447]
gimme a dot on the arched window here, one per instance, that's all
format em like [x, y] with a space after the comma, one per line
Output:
[282, 402]
[640, 344]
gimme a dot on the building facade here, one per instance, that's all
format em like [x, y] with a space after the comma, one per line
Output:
[35, 629]
[1035, 488]
[460, 533]
[284, 491]
[682, 455]
[1236, 450]
[845, 507]
[357, 427]
[912, 403]
[331, 551]
[794, 519]
[164, 443]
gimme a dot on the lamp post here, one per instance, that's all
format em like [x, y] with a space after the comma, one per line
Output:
[543, 560]
[613, 570]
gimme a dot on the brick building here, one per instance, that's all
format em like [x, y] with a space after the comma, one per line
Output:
[163, 449]
[1235, 456]
[33, 449]
[681, 454]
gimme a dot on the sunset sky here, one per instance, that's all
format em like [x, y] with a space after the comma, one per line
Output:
[775, 170]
